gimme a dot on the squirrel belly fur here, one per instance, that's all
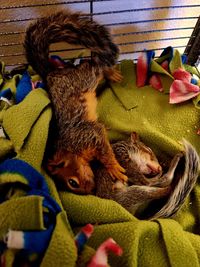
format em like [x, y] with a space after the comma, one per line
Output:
[72, 89]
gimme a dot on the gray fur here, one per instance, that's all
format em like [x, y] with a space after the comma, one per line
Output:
[175, 185]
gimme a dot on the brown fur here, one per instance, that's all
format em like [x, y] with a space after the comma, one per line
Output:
[80, 138]
[176, 184]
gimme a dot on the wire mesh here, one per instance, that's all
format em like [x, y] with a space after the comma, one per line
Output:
[135, 25]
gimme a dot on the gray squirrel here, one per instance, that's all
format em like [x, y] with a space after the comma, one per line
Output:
[140, 164]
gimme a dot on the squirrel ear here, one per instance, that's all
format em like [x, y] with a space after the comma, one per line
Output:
[134, 137]
[54, 165]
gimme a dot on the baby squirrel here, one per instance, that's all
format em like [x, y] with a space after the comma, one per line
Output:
[72, 89]
[140, 162]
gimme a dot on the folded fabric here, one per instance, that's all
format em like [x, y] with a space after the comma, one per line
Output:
[27, 209]
[170, 62]
[26, 125]
[124, 108]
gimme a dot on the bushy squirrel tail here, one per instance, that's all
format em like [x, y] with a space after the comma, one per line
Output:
[70, 27]
[184, 185]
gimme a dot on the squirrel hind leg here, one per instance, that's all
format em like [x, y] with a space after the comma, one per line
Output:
[168, 177]
[136, 195]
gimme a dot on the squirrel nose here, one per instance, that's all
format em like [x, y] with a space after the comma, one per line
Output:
[154, 169]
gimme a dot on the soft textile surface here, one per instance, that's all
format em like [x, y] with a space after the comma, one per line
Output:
[124, 108]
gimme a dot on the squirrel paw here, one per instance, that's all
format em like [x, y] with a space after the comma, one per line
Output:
[116, 76]
[117, 172]
[113, 75]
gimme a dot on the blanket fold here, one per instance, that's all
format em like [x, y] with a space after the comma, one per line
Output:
[181, 244]
[19, 127]
[125, 108]
[91, 209]
[28, 205]
[21, 218]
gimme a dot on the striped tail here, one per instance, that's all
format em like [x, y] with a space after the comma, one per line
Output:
[184, 185]
[72, 28]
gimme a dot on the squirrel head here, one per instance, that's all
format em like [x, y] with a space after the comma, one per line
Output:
[72, 172]
[133, 154]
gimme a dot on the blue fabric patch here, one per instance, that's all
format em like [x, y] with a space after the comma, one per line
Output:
[37, 241]
[6, 93]
[168, 50]
[184, 59]
[80, 240]
[36, 181]
[34, 178]
[24, 87]
[40, 84]
[194, 81]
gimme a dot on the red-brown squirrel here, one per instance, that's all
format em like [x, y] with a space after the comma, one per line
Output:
[140, 162]
[72, 89]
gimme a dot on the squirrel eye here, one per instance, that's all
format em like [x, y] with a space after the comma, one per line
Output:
[73, 183]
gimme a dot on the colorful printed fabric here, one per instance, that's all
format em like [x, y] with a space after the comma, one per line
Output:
[170, 62]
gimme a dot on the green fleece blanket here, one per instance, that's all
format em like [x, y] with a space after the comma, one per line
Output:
[123, 108]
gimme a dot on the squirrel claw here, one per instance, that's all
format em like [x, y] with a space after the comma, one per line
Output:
[113, 74]
[116, 172]
[116, 76]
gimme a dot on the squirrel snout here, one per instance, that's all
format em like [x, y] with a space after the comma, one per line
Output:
[154, 169]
